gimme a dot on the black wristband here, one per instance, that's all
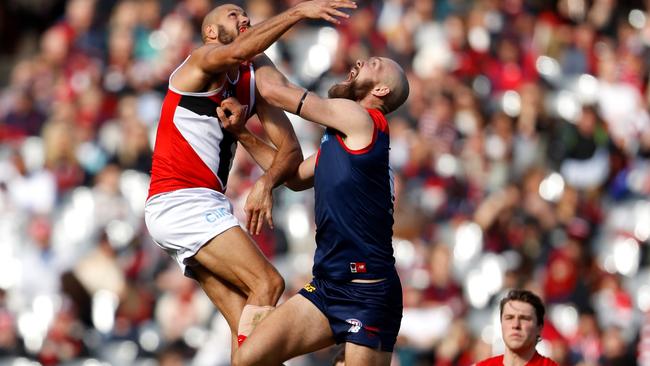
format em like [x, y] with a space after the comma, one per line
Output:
[302, 101]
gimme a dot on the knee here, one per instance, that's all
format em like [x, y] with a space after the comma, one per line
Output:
[275, 284]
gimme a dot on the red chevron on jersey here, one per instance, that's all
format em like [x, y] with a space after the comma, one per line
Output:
[192, 150]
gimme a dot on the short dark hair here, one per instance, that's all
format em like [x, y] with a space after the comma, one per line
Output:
[527, 297]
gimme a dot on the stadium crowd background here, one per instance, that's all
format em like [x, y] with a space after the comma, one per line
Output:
[522, 159]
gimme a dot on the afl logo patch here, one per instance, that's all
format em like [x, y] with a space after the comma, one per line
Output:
[355, 325]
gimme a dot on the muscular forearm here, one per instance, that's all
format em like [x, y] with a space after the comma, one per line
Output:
[248, 44]
[296, 178]
[276, 89]
[285, 164]
[261, 36]
[260, 151]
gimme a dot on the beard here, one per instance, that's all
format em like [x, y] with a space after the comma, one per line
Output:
[352, 90]
[224, 36]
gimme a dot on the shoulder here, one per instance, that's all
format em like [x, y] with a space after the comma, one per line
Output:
[543, 361]
[492, 361]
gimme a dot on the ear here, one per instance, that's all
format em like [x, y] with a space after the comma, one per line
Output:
[380, 91]
[211, 31]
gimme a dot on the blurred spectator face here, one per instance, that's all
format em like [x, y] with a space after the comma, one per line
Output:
[587, 121]
[55, 46]
[79, 14]
[613, 343]
[149, 13]
[519, 325]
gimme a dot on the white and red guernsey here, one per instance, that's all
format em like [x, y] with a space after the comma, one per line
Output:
[192, 150]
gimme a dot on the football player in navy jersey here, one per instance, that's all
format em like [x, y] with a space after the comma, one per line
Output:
[186, 212]
[355, 296]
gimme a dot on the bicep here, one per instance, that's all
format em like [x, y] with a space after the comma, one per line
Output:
[214, 59]
[343, 115]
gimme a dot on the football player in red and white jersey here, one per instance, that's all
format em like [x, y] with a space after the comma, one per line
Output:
[187, 213]
[522, 319]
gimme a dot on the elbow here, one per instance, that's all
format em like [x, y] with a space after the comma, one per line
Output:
[268, 91]
[238, 54]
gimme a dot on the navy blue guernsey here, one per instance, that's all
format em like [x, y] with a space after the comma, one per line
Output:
[354, 207]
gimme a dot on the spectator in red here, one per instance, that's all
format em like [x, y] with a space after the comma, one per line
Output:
[522, 319]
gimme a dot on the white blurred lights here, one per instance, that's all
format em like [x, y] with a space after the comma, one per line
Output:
[548, 67]
[552, 187]
[564, 318]
[637, 18]
[468, 241]
[643, 298]
[10, 269]
[298, 221]
[103, 310]
[642, 220]
[567, 106]
[485, 281]
[511, 103]
[626, 256]
[587, 88]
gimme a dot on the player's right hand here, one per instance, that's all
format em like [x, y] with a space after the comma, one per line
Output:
[326, 9]
[232, 115]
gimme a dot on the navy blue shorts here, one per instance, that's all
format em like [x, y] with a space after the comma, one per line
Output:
[368, 314]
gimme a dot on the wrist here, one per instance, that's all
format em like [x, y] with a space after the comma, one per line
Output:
[266, 180]
[296, 12]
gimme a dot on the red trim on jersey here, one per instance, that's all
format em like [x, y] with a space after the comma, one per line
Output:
[243, 90]
[317, 156]
[379, 124]
[175, 163]
[536, 360]
[379, 119]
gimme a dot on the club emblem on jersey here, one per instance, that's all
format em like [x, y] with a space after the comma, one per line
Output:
[355, 325]
[227, 93]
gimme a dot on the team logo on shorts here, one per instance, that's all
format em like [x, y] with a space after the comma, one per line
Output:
[309, 287]
[355, 325]
[217, 214]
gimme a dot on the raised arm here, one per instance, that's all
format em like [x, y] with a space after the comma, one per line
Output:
[215, 58]
[344, 115]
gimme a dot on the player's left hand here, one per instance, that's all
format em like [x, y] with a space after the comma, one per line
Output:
[232, 115]
[259, 206]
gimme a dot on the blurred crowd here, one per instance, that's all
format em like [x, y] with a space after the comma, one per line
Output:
[522, 159]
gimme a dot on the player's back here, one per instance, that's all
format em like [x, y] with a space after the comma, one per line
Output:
[354, 207]
[192, 150]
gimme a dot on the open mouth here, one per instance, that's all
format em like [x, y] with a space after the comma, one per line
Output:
[243, 29]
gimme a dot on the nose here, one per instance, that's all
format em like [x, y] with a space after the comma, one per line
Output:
[245, 20]
[359, 63]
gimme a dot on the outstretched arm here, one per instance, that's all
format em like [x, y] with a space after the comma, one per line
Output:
[344, 115]
[217, 58]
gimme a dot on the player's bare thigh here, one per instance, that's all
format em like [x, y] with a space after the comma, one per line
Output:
[357, 355]
[296, 327]
[234, 257]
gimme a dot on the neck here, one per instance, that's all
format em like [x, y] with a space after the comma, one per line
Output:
[371, 103]
[518, 358]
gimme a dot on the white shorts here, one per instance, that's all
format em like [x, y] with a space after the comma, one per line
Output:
[183, 221]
